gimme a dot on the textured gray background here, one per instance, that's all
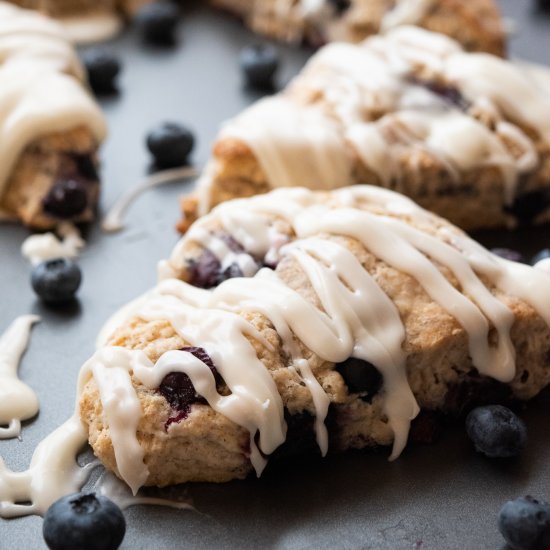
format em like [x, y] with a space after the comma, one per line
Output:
[433, 497]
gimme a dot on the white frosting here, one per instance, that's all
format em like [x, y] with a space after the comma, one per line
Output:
[114, 219]
[543, 265]
[41, 90]
[341, 328]
[47, 246]
[363, 100]
[92, 27]
[17, 400]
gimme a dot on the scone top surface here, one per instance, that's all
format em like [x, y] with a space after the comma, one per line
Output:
[410, 111]
[295, 285]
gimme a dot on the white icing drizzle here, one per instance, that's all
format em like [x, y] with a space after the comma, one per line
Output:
[47, 246]
[91, 27]
[340, 328]
[405, 12]
[114, 219]
[17, 400]
[361, 100]
[41, 89]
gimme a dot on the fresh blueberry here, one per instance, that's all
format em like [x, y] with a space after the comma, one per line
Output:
[525, 524]
[178, 390]
[170, 144]
[56, 281]
[542, 255]
[66, 199]
[259, 63]
[509, 254]
[103, 67]
[340, 6]
[85, 521]
[360, 377]
[158, 21]
[496, 431]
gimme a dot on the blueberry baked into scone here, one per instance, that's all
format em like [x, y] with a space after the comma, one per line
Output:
[466, 135]
[50, 127]
[476, 25]
[303, 321]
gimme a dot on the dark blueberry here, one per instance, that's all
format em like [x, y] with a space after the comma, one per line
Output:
[66, 199]
[360, 377]
[86, 167]
[103, 67]
[542, 255]
[204, 271]
[85, 521]
[527, 206]
[340, 6]
[448, 93]
[178, 390]
[509, 254]
[543, 5]
[525, 524]
[170, 144]
[157, 22]
[229, 273]
[56, 281]
[259, 63]
[496, 431]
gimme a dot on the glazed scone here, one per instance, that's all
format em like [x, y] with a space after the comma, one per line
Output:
[50, 127]
[298, 321]
[466, 135]
[476, 25]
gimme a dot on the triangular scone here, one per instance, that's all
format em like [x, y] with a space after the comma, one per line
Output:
[466, 135]
[50, 127]
[477, 25]
[357, 309]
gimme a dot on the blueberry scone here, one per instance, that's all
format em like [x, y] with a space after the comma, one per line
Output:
[50, 127]
[307, 321]
[477, 25]
[466, 135]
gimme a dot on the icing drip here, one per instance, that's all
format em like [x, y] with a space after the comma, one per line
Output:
[92, 27]
[41, 85]
[17, 401]
[47, 246]
[384, 99]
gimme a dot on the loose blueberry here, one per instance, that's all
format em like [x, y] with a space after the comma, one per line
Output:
[360, 377]
[509, 254]
[178, 390]
[170, 144]
[103, 67]
[259, 63]
[542, 255]
[85, 521]
[56, 281]
[496, 431]
[157, 22]
[525, 524]
[66, 199]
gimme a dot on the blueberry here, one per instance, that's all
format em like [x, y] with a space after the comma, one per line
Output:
[542, 255]
[340, 6]
[66, 199]
[178, 390]
[157, 22]
[259, 64]
[204, 271]
[509, 254]
[103, 67]
[56, 281]
[360, 377]
[496, 431]
[525, 524]
[170, 144]
[85, 521]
